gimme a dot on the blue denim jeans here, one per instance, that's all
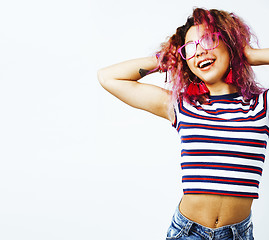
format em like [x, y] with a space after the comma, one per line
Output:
[182, 228]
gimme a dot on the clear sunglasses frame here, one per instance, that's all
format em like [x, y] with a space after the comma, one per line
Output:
[202, 44]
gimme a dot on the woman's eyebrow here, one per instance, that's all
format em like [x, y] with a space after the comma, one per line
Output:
[189, 41]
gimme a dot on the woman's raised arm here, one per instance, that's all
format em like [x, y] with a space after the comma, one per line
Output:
[257, 57]
[121, 80]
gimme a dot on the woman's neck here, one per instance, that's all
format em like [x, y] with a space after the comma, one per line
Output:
[221, 89]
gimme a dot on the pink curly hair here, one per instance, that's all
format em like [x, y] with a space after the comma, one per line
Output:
[233, 32]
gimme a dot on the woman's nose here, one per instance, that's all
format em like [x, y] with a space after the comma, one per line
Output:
[200, 51]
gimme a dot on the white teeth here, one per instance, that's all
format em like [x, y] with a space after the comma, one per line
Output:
[202, 64]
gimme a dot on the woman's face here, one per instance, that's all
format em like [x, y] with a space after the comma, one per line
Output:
[220, 58]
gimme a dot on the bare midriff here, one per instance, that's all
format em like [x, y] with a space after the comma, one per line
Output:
[215, 211]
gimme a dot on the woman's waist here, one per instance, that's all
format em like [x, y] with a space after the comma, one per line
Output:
[215, 211]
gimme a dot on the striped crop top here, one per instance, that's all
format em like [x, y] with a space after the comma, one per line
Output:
[223, 144]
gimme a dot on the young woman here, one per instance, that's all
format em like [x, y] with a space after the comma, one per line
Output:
[221, 116]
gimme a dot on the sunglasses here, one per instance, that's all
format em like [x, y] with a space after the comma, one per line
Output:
[207, 42]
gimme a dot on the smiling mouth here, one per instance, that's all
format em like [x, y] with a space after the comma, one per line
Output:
[206, 63]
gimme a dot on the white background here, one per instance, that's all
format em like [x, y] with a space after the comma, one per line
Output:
[75, 162]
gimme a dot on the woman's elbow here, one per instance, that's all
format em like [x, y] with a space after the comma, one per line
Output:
[101, 76]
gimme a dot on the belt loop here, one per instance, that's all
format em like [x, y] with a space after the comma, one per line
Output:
[187, 228]
[234, 230]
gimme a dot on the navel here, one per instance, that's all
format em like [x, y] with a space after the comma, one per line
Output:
[216, 222]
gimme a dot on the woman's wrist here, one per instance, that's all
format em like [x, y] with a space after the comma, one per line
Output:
[262, 56]
[257, 57]
[128, 70]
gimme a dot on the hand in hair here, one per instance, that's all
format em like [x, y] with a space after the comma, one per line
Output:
[256, 56]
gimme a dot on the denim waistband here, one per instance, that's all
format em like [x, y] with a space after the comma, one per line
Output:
[211, 233]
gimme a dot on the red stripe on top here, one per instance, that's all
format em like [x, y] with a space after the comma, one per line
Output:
[219, 166]
[221, 193]
[224, 153]
[223, 140]
[224, 128]
[224, 110]
[219, 180]
[219, 119]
